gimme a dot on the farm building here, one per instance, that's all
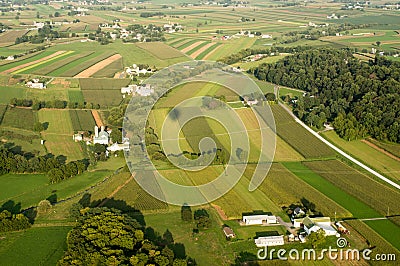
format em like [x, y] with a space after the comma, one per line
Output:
[298, 212]
[264, 241]
[35, 84]
[259, 219]
[314, 224]
[101, 137]
[142, 90]
[119, 147]
[228, 232]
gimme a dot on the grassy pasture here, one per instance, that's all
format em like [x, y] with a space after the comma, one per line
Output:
[298, 137]
[82, 120]
[75, 96]
[337, 194]
[393, 148]
[10, 36]
[30, 189]
[19, 118]
[369, 191]
[367, 154]
[35, 246]
[49, 94]
[7, 93]
[59, 121]
[3, 109]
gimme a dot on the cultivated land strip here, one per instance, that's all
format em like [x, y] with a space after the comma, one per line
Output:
[96, 67]
[97, 118]
[381, 150]
[32, 63]
[347, 156]
[202, 49]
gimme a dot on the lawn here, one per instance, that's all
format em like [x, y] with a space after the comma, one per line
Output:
[19, 118]
[35, 246]
[368, 155]
[352, 204]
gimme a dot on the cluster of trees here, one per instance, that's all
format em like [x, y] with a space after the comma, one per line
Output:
[314, 33]
[149, 33]
[359, 98]
[151, 14]
[213, 103]
[236, 57]
[13, 222]
[201, 217]
[45, 33]
[55, 167]
[105, 236]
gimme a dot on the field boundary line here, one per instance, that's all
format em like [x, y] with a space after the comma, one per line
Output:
[341, 152]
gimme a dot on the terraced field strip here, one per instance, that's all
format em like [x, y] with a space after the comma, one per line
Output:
[191, 47]
[42, 62]
[12, 69]
[204, 48]
[210, 51]
[44, 70]
[96, 67]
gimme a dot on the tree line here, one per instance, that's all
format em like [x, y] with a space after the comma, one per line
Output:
[236, 57]
[13, 222]
[55, 167]
[359, 98]
[58, 104]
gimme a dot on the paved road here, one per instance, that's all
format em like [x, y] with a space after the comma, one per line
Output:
[375, 173]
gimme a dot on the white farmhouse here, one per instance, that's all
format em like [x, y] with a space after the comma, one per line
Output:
[314, 224]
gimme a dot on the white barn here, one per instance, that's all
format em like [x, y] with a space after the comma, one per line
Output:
[259, 219]
[101, 137]
[265, 241]
[314, 224]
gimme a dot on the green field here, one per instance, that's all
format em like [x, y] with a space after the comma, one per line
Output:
[297, 136]
[29, 189]
[377, 195]
[25, 61]
[19, 118]
[105, 92]
[352, 204]
[60, 130]
[75, 96]
[82, 120]
[386, 229]
[35, 246]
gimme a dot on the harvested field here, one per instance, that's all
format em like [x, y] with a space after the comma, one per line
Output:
[98, 66]
[97, 118]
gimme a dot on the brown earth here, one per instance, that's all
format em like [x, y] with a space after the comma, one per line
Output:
[98, 66]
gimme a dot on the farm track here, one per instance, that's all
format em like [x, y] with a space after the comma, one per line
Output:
[341, 152]
[116, 190]
[381, 150]
[87, 73]
[8, 71]
[97, 118]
